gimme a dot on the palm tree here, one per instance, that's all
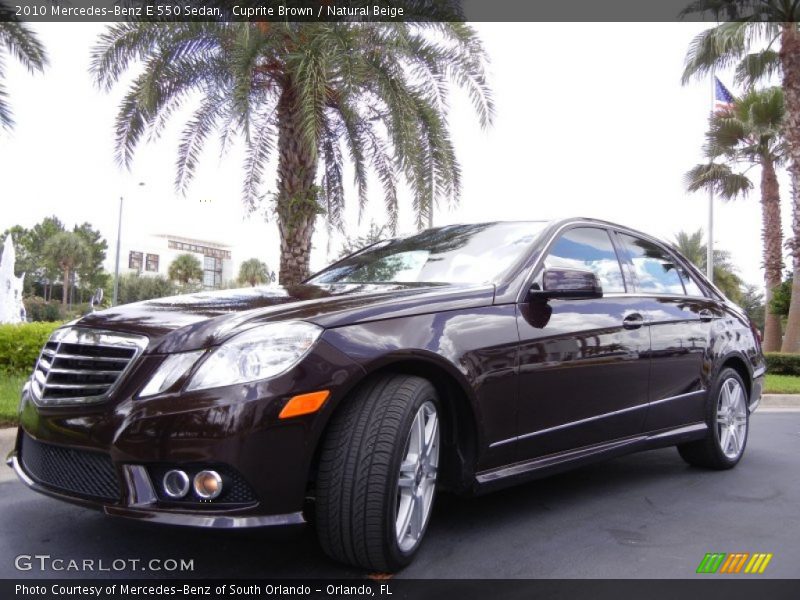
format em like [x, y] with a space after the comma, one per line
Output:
[311, 95]
[761, 38]
[186, 268]
[68, 251]
[254, 272]
[691, 246]
[18, 40]
[750, 134]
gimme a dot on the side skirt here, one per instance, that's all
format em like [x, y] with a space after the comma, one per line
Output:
[544, 466]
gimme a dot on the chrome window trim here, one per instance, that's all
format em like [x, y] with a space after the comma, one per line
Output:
[86, 336]
[609, 227]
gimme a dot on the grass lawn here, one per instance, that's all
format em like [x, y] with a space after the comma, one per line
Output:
[782, 384]
[10, 387]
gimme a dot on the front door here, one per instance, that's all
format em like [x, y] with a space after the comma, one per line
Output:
[583, 365]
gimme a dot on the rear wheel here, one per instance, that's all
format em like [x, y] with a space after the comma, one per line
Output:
[378, 472]
[728, 425]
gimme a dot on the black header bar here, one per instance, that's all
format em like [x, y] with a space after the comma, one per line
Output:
[365, 10]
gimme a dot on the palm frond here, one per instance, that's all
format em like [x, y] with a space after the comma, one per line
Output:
[6, 120]
[194, 135]
[757, 66]
[260, 147]
[725, 46]
[374, 95]
[720, 178]
[20, 41]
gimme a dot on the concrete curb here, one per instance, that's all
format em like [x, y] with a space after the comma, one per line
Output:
[780, 401]
[8, 435]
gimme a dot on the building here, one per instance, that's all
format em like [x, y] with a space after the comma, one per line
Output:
[152, 255]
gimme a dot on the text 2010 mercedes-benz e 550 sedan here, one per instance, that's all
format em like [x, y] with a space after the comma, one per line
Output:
[462, 358]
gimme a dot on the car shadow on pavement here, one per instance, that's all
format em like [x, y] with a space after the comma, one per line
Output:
[459, 523]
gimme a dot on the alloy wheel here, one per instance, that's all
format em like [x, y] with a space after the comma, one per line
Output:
[731, 418]
[417, 479]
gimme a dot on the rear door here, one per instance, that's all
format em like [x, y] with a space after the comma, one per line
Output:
[680, 318]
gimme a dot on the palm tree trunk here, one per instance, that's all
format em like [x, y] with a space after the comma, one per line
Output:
[790, 63]
[65, 287]
[791, 339]
[773, 255]
[296, 203]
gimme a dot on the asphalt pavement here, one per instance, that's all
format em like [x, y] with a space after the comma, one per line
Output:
[647, 515]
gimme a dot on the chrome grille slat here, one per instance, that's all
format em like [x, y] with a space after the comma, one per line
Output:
[40, 377]
[77, 386]
[80, 365]
[86, 357]
[82, 372]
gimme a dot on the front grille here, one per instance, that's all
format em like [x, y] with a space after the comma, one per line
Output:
[88, 474]
[79, 365]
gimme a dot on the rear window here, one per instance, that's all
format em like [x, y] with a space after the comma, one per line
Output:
[655, 269]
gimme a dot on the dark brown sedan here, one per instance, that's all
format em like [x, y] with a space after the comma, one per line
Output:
[462, 358]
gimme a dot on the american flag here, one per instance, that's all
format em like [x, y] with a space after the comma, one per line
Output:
[723, 99]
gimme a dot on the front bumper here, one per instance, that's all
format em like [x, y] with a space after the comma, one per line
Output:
[143, 505]
[236, 428]
[757, 389]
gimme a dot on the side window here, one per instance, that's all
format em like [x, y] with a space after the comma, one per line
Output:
[654, 268]
[588, 248]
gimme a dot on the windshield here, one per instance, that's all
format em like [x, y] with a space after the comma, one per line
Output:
[479, 253]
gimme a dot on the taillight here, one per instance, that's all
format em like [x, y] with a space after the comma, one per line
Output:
[756, 334]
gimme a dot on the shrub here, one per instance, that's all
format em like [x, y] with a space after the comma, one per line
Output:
[21, 343]
[779, 363]
[135, 288]
[39, 309]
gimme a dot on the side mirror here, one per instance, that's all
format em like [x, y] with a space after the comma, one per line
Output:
[96, 298]
[567, 284]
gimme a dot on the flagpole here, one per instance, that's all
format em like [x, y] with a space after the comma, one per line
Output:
[710, 245]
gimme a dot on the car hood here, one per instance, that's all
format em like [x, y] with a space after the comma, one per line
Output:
[194, 321]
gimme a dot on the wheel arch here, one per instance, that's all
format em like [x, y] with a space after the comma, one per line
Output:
[738, 363]
[461, 435]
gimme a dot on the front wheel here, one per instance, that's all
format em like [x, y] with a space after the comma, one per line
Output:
[377, 474]
[728, 425]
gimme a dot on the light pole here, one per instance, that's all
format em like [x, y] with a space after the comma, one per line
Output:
[116, 261]
[710, 246]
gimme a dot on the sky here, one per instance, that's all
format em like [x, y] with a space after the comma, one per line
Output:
[591, 120]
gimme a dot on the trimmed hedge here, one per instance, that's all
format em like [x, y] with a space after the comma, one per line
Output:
[41, 310]
[780, 363]
[20, 344]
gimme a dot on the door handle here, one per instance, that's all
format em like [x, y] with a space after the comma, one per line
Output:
[706, 315]
[633, 321]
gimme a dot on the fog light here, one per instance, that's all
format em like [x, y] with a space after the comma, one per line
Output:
[175, 483]
[208, 484]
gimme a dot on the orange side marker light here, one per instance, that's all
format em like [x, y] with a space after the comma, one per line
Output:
[304, 404]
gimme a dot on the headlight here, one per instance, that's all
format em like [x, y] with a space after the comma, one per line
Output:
[169, 372]
[261, 352]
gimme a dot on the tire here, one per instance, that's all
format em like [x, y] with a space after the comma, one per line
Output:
[360, 491]
[728, 422]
